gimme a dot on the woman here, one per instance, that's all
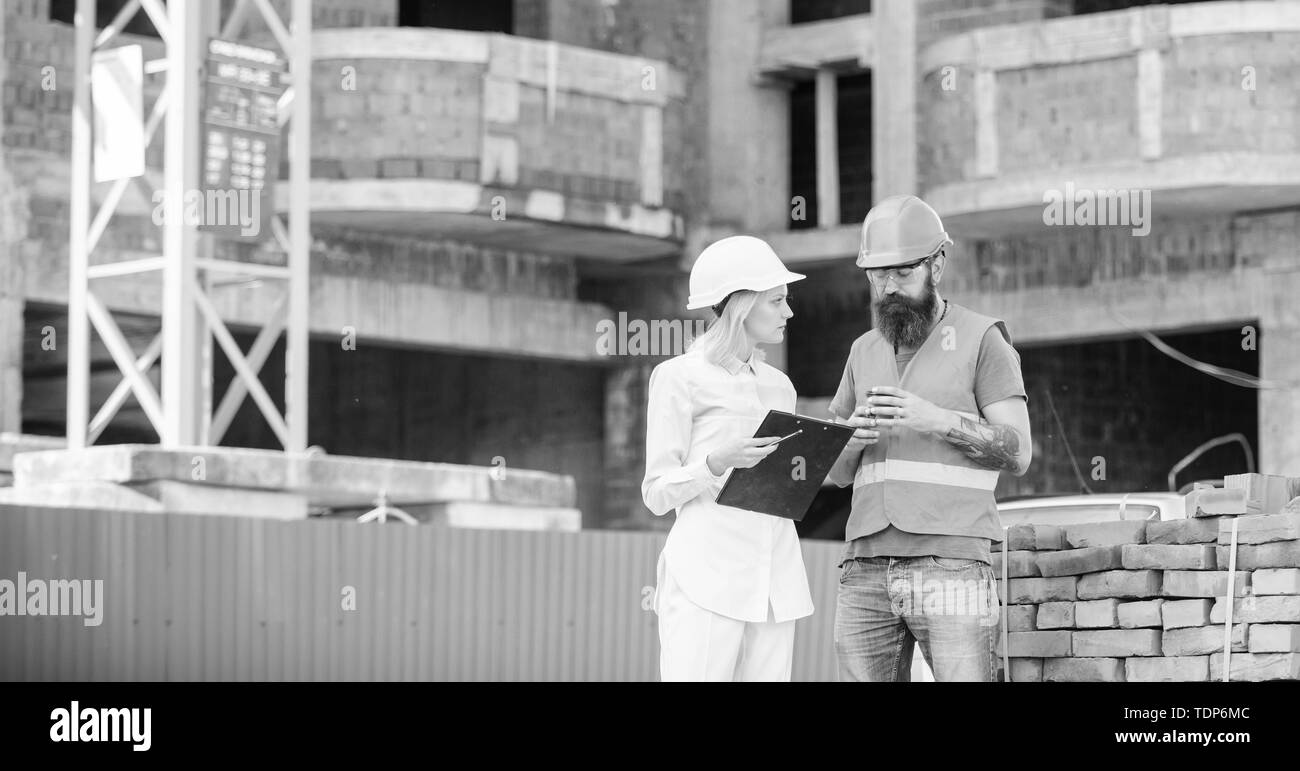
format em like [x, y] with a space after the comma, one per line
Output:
[730, 582]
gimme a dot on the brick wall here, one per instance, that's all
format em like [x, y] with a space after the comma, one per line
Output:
[1206, 109]
[674, 31]
[1084, 256]
[1147, 601]
[335, 252]
[946, 136]
[1067, 115]
[448, 264]
[1085, 114]
[427, 113]
[417, 118]
[395, 119]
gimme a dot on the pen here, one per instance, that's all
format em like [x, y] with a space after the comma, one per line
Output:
[782, 439]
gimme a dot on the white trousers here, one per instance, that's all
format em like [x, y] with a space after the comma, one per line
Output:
[700, 645]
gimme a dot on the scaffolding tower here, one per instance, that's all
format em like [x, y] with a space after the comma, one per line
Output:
[182, 414]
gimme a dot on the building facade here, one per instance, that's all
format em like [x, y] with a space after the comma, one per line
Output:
[506, 198]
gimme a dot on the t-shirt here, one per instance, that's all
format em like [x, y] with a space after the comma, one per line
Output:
[997, 377]
[902, 358]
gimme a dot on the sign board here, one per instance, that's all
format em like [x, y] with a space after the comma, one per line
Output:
[241, 139]
[117, 93]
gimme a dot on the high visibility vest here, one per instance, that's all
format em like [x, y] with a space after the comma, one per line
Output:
[919, 482]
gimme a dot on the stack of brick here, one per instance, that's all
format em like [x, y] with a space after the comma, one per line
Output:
[1145, 601]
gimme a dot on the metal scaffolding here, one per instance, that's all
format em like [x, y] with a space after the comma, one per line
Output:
[182, 415]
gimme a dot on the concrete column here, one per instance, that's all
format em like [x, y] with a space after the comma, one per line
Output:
[828, 152]
[986, 124]
[11, 325]
[1279, 352]
[748, 144]
[893, 89]
[1150, 107]
[13, 224]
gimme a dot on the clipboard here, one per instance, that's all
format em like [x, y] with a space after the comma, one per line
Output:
[770, 487]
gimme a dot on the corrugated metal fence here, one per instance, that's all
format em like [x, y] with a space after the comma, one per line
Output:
[230, 598]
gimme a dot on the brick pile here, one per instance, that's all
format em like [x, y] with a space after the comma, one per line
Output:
[1146, 601]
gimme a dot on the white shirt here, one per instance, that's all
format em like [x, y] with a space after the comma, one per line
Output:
[727, 560]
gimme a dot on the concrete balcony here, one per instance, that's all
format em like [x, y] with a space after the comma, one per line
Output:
[1196, 103]
[495, 139]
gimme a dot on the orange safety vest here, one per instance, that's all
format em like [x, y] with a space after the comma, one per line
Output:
[919, 482]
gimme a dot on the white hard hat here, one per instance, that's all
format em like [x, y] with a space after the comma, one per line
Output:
[899, 230]
[732, 264]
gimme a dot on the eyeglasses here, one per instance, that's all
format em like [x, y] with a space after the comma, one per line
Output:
[900, 273]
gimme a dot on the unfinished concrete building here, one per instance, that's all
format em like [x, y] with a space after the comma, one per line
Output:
[499, 187]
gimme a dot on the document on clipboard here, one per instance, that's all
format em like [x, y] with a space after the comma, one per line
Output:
[779, 485]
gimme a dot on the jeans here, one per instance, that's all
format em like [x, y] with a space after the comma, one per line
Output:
[887, 604]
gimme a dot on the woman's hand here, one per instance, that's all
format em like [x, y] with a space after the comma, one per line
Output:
[745, 452]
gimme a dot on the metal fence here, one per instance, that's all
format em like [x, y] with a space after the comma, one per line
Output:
[230, 598]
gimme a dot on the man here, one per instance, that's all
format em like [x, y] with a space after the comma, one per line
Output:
[936, 395]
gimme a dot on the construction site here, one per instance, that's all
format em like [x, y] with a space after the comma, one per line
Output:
[474, 228]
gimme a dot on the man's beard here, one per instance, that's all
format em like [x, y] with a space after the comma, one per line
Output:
[905, 322]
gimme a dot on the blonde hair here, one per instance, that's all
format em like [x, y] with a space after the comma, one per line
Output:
[725, 336]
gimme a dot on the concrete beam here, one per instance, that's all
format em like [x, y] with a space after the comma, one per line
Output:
[549, 221]
[1183, 185]
[1055, 315]
[834, 43]
[12, 443]
[578, 70]
[1075, 39]
[324, 480]
[813, 247]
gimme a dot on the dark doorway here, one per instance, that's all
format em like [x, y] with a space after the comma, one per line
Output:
[105, 11]
[817, 10]
[853, 145]
[1100, 6]
[478, 16]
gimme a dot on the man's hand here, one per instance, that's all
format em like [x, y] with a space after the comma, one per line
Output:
[1001, 442]
[864, 433]
[891, 406]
